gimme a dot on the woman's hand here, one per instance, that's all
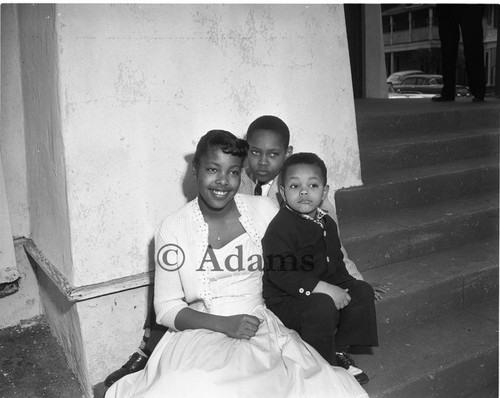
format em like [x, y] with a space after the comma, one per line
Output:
[241, 326]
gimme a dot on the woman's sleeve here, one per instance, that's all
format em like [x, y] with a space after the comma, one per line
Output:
[169, 296]
[268, 211]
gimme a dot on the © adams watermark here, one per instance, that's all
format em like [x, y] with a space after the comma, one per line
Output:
[171, 257]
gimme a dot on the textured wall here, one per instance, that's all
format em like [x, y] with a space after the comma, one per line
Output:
[25, 304]
[46, 177]
[8, 268]
[12, 144]
[111, 330]
[140, 83]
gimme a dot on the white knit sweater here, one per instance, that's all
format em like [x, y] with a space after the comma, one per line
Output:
[186, 228]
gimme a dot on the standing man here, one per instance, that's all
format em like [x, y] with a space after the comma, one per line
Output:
[467, 18]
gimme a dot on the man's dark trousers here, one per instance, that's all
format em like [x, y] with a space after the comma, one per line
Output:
[453, 18]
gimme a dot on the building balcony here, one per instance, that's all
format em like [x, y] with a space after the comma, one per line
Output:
[411, 36]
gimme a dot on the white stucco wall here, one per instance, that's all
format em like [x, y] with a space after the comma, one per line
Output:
[139, 84]
[47, 198]
[12, 144]
[111, 330]
[25, 303]
[24, 306]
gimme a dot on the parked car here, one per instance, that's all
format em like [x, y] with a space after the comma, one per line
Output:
[428, 85]
[391, 94]
[397, 77]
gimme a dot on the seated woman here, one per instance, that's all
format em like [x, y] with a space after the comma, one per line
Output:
[222, 341]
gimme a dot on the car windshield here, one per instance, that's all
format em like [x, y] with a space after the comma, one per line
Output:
[394, 78]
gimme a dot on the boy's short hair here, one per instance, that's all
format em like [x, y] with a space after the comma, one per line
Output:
[273, 123]
[224, 140]
[304, 158]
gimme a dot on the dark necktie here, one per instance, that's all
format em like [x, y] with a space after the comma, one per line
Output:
[258, 188]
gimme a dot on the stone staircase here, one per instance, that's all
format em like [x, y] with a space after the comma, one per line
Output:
[425, 224]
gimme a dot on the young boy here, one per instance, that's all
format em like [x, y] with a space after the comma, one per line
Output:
[306, 283]
[268, 138]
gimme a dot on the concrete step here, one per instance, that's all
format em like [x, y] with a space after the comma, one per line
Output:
[425, 287]
[454, 356]
[399, 235]
[398, 189]
[425, 224]
[490, 391]
[376, 120]
[426, 149]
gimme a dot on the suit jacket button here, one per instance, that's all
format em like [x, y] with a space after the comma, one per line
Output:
[301, 290]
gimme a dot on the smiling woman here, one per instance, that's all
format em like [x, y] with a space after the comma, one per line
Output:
[217, 165]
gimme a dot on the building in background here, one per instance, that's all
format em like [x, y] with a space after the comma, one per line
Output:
[411, 40]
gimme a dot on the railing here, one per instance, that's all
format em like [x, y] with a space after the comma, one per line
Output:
[80, 293]
[417, 35]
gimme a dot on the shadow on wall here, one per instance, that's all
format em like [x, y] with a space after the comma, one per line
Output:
[189, 183]
[190, 192]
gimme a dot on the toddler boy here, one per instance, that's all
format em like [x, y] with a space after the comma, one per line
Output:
[306, 283]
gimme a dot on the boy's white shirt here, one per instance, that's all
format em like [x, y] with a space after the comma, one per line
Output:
[247, 186]
[266, 188]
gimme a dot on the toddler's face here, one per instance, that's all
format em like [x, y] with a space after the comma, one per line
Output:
[303, 188]
[266, 155]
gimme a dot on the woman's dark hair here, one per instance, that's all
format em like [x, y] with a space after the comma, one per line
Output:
[304, 158]
[272, 123]
[226, 141]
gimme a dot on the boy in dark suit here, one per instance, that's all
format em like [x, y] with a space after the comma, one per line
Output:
[306, 283]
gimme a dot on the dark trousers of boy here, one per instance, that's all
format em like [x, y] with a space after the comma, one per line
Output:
[453, 18]
[317, 320]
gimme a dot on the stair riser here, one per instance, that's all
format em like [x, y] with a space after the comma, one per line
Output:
[461, 380]
[376, 159]
[376, 199]
[382, 126]
[407, 242]
[434, 300]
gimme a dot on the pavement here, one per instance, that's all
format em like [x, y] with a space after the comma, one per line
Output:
[33, 365]
[377, 106]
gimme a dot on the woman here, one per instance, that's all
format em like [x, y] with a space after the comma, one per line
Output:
[222, 341]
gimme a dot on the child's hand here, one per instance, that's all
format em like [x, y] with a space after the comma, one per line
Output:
[339, 296]
[379, 290]
[241, 326]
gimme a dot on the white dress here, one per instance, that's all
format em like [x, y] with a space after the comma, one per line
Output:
[202, 363]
